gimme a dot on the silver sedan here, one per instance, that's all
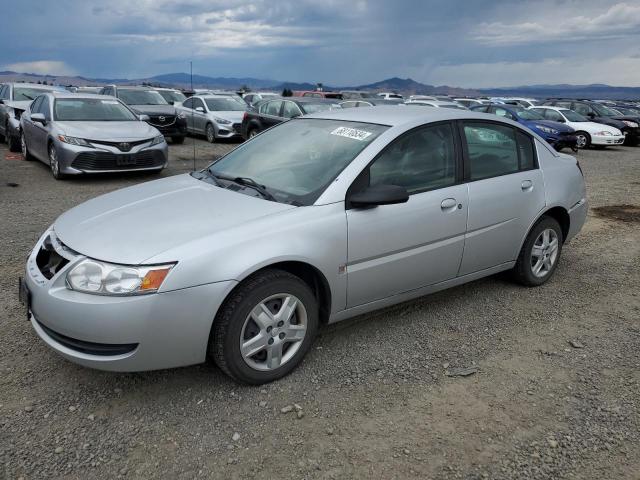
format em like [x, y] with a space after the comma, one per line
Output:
[313, 221]
[214, 116]
[85, 133]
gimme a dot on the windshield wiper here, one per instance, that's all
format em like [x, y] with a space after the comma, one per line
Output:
[246, 182]
[28, 96]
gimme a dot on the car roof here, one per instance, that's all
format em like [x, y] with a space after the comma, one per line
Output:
[437, 103]
[36, 85]
[134, 87]
[73, 95]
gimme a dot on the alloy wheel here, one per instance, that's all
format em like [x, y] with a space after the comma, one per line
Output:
[273, 332]
[53, 161]
[211, 134]
[581, 140]
[23, 146]
[544, 253]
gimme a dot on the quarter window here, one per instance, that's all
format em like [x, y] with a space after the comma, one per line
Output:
[188, 103]
[291, 110]
[273, 108]
[421, 160]
[492, 150]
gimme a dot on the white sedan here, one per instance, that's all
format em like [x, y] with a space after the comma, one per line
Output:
[587, 132]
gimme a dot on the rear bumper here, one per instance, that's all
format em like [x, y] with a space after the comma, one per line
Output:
[577, 218]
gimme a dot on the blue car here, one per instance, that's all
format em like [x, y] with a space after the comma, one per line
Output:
[556, 134]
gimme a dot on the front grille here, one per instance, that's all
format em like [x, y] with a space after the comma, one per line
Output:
[96, 161]
[122, 146]
[91, 348]
[49, 259]
[162, 120]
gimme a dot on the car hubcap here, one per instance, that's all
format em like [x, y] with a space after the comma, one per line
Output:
[544, 253]
[252, 133]
[581, 141]
[210, 133]
[53, 160]
[273, 332]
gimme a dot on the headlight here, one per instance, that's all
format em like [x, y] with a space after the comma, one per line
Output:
[100, 278]
[630, 124]
[182, 116]
[548, 130]
[604, 134]
[221, 121]
[157, 140]
[81, 142]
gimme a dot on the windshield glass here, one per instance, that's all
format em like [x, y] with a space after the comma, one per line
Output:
[141, 97]
[525, 114]
[628, 111]
[22, 94]
[297, 160]
[453, 105]
[172, 96]
[603, 111]
[225, 104]
[91, 110]
[319, 107]
[574, 116]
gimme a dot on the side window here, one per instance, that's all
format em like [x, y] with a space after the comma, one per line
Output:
[348, 104]
[188, 103]
[501, 112]
[3, 92]
[273, 108]
[421, 160]
[553, 115]
[197, 102]
[492, 150]
[44, 108]
[291, 110]
[526, 151]
[35, 105]
[108, 91]
[365, 104]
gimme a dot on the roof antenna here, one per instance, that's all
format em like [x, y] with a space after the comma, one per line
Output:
[193, 138]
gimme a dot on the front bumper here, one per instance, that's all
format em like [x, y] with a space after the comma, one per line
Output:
[134, 333]
[607, 139]
[561, 141]
[74, 160]
[228, 130]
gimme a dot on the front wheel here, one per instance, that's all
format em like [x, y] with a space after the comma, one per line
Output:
[540, 253]
[583, 139]
[25, 150]
[210, 133]
[54, 163]
[265, 327]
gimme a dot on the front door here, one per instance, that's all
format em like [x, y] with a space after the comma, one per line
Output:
[397, 248]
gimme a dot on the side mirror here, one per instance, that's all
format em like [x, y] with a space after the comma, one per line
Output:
[39, 118]
[199, 109]
[144, 118]
[591, 115]
[379, 195]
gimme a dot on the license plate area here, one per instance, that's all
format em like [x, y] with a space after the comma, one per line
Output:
[123, 160]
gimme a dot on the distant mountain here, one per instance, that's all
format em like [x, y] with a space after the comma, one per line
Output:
[597, 90]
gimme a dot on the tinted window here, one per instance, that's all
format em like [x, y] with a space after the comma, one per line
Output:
[553, 115]
[581, 108]
[525, 148]
[492, 150]
[273, 108]
[3, 92]
[291, 110]
[501, 112]
[421, 160]
[197, 102]
[36, 105]
[43, 108]
[188, 103]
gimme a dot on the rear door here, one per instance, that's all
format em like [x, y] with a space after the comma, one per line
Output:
[506, 192]
[397, 248]
[271, 114]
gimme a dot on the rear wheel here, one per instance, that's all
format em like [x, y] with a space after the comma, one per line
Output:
[540, 253]
[583, 139]
[265, 327]
[210, 133]
[177, 140]
[25, 150]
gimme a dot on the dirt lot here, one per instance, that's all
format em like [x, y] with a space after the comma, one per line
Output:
[556, 394]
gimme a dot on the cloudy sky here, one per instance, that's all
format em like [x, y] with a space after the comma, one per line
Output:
[469, 43]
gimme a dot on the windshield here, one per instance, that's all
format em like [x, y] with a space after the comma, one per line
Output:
[22, 94]
[628, 111]
[603, 111]
[525, 114]
[297, 160]
[225, 104]
[453, 105]
[319, 107]
[141, 97]
[172, 96]
[91, 110]
[573, 116]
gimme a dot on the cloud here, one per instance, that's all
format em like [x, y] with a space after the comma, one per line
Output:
[43, 67]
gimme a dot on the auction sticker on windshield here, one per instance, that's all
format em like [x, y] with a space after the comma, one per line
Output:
[353, 133]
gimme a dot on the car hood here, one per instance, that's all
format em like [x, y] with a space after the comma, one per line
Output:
[108, 131]
[167, 110]
[233, 115]
[561, 127]
[132, 225]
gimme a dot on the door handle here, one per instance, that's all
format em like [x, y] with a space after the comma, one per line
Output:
[527, 185]
[449, 204]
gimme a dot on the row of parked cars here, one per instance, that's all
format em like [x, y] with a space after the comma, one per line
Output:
[115, 128]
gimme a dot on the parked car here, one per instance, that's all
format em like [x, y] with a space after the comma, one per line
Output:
[376, 199]
[14, 99]
[94, 90]
[254, 97]
[171, 95]
[422, 97]
[556, 134]
[525, 102]
[436, 104]
[146, 101]
[214, 116]
[368, 102]
[390, 96]
[76, 133]
[317, 94]
[587, 133]
[268, 113]
[471, 102]
[599, 113]
[358, 94]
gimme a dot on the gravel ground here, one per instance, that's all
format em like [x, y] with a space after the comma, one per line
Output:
[555, 394]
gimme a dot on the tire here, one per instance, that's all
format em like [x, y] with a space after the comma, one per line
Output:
[210, 133]
[252, 133]
[53, 162]
[23, 147]
[14, 143]
[583, 139]
[177, 140]
[547, 257]
[265, 293]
